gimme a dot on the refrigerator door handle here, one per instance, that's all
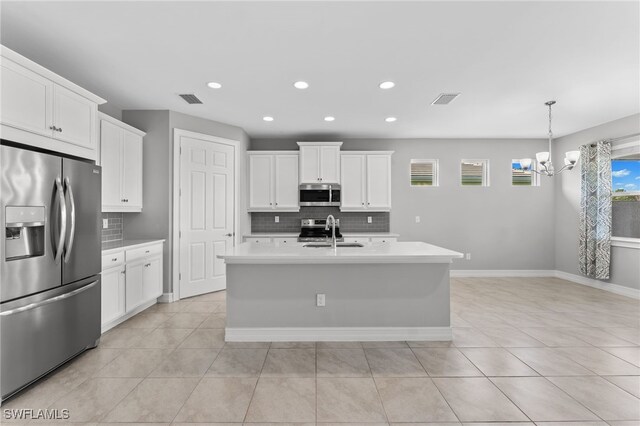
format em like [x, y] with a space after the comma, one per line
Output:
[34, 305]
[72, 233]
[63, 220]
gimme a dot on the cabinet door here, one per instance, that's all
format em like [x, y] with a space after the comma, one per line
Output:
[379, 182]
[134, 287]
[132, 170]
[27, 99]
[286, 182]
[152, 279]
[113, 282]
[75, 118]
[111, 155]
[353, 182]
[260, 182]
[330, 164]
[309, 164]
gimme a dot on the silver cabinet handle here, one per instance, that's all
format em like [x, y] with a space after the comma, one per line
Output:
[228, 235]
[123, 272]
[31, 306]
[115, 259]
[63, 220]
[72, 233]
[52, 128]
[146, 251]
[147, 265]
[60, 129]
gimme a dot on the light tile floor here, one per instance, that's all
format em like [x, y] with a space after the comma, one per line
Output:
[525, 351]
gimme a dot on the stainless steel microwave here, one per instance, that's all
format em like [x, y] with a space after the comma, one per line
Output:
[323, 194]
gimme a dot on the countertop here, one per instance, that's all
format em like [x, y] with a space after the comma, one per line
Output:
[393, 252]
[344, 234]
[114, 246]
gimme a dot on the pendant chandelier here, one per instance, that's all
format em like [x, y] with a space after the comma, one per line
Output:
[544, 158]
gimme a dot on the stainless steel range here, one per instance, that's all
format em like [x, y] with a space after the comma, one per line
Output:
[314, 230]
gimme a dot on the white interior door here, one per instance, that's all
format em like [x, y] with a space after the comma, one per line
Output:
[207, 184]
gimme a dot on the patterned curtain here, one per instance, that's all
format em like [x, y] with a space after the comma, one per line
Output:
[595, 210]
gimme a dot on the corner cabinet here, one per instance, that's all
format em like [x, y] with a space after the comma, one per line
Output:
[121, 161]
[319, 162]
[273, 181]
[366, 181]
[131, 281]
[42, 109]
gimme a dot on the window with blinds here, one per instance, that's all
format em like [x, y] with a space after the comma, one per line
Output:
[474, 172]
[521, 177]
[424, 172]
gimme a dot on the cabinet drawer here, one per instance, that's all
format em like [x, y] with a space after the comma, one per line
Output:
[259, 240]
[143, 252]
[285, 241]
[112, 260]
[357, 240]
[383, 239]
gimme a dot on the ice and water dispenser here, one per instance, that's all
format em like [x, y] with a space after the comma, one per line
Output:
[24, 230]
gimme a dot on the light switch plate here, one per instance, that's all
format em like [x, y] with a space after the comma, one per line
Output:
[417, 219]
[369, 219]
[105, 223]
[320, 299]
[277, 219]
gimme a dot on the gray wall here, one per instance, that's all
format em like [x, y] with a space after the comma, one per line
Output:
[503, 227]
[625, 262]
[156, 218]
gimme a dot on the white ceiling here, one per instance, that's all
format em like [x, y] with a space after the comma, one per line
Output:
[507, 59]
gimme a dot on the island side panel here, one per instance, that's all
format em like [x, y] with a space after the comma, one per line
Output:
[357, 295]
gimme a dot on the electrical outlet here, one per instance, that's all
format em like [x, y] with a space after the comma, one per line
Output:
[320, 300]
[369, 219]
[277, 219]
[105, 223]
[417, 219]
[468, 256]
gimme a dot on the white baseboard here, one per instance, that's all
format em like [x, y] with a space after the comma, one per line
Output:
[497, 273]
[602, 285]
[166, 298]
[336, 334]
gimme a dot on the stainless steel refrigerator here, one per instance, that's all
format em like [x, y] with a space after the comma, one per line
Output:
[49, 263]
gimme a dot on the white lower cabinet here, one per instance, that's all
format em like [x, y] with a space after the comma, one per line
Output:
[113, 297]
[131, 279]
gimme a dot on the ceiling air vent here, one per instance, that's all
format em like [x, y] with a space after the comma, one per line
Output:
[445, 98]
[190, 98]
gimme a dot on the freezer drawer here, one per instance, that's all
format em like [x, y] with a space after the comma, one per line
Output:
[46, 330]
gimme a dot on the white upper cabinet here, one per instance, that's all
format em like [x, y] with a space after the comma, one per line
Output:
[319, 162]
[260, 182]
[353, 190]
[273, 181]
[42, 109]
[366, 181]
[74, 117]
[121, 161]
[286, 182]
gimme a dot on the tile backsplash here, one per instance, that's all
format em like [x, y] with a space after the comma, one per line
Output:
[349, 221]
[114, 231]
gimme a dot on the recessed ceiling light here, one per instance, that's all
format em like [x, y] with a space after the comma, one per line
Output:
[214, 85]
[267, 118]
[329, 118]
[300, 84]
[386, 85]
[390, 119]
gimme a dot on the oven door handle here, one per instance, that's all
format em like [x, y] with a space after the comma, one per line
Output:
[35, 305]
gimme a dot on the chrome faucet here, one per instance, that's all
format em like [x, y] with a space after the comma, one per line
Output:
[332, 220]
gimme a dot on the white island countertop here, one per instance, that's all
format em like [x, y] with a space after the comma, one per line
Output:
[393, 252]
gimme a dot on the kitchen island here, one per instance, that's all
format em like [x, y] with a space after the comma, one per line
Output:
[380, 291]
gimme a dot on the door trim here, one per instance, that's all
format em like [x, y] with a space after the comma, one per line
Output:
[175, 220]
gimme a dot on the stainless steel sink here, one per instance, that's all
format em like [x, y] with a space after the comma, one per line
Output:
[328, 245]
